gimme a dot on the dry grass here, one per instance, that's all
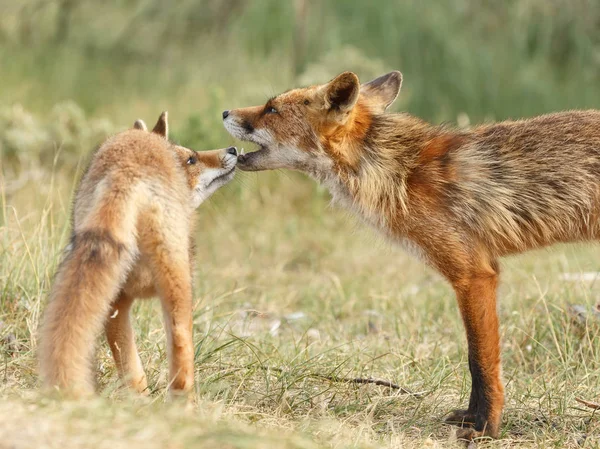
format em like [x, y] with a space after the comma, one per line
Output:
[285, 281]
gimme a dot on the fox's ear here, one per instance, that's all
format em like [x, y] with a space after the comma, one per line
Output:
[341, 93]
[162, 126]
[139, 124]
[382, 91]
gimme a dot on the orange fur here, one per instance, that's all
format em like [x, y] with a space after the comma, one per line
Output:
[340, 139]
[438, 147]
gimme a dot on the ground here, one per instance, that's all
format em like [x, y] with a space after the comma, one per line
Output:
[290, 290]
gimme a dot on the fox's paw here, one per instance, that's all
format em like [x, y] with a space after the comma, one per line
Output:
[140, 385]
[187, 400]
[461, 418]
[470, 434]
[467, 420]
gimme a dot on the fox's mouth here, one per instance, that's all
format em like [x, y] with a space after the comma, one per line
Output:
[261, 138]
[223, 177]
[245, 159]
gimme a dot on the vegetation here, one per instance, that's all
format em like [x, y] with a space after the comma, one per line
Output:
[289, 289]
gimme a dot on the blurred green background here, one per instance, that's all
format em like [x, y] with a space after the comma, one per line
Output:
[72, 71]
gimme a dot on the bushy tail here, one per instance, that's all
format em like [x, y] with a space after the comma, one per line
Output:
[87, 281]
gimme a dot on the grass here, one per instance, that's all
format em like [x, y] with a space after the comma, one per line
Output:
[286, 282]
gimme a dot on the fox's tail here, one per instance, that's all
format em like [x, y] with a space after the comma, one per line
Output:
[88, 279]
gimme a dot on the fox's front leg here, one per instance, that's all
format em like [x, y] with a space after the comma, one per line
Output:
[172, 271]
[476, 296]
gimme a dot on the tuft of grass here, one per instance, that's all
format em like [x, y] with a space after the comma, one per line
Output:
[100, 423]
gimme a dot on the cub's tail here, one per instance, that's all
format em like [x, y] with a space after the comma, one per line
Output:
[88, 279]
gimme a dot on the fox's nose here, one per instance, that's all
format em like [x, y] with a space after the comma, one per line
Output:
[225, 114]
[231, 150]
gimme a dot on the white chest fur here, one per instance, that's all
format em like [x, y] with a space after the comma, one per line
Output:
[341, 197]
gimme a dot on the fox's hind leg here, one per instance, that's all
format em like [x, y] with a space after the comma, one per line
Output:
[476, 296]
[119, 334]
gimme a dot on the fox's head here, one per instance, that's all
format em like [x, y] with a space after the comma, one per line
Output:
[312, 128]
[205, 171]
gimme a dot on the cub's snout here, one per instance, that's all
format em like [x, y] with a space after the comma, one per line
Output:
[209, 170]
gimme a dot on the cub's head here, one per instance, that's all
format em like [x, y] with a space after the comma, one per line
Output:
[313, 127]
[205, 171]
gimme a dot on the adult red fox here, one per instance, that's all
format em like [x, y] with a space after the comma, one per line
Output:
[131, 238]
[458, 199]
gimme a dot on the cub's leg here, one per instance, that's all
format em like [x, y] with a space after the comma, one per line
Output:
[119, 334]
[476, 296]
[171, 268]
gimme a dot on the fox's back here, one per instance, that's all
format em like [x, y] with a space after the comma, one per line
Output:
[531, 182]
[132, 163]
[130, 156]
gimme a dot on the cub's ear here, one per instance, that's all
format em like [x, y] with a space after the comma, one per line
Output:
[382, 91]
[162, 126]
[341, 93]
[139, 124]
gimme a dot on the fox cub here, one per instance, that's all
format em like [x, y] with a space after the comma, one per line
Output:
[131, 238]
[457, 199]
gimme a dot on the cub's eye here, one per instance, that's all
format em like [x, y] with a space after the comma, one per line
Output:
[192, 160]
[306, 102]
[271, 110]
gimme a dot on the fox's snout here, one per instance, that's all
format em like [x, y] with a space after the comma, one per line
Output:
[218, 159]
[251, 125]
[228, 157]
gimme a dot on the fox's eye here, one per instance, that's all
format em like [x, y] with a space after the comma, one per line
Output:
[271, 110]
[192, 160]
[306, 102]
